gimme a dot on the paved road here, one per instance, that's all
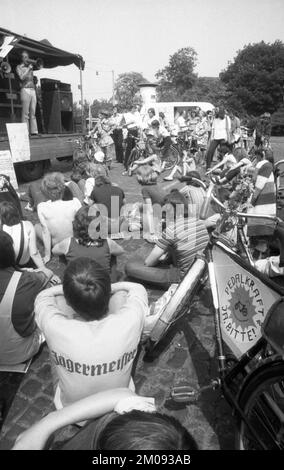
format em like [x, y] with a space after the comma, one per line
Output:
[188, 357]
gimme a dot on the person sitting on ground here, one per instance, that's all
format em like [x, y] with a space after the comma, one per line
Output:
[194, 192]
[182, 239]
[55, 215]
[35, 194]
[157, 144]
[127, 422]
[92, 329]
[227, 160]
[152, 194]
[24, 238]
[20, 338]
[82, 244]
[109, 195]
[95, 169]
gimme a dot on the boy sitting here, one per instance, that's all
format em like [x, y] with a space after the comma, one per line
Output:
[92, 329]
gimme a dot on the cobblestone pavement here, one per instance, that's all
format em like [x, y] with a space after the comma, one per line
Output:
[187, 357]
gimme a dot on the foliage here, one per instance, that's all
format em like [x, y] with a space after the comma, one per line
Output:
[178, 76]
[255, 78]
[127, 89]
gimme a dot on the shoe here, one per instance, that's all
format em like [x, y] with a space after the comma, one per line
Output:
[168, 178]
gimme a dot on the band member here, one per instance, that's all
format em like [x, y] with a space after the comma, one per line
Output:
[28, 92]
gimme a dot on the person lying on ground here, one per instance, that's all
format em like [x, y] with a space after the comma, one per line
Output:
[127, 422]
[23, 236]
[82, 244]
[92, 329]
[55, 215]
[181, 240]
[20, 339]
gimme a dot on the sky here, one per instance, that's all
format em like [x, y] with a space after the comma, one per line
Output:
[140, 35]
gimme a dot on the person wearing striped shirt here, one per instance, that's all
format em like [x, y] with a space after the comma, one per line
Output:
[194, 193]
[263, 200]
[182, 239]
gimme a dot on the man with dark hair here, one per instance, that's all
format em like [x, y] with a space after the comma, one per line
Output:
[28, 92]
[92, 329]
[19, 337]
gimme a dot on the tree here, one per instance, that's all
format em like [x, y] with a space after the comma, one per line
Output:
[178, 77]
[209, 89]
[127, 89]
[255, 78]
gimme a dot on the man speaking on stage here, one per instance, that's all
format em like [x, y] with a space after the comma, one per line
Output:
[28, 92]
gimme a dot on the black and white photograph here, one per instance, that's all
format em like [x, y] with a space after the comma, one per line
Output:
[141, 229]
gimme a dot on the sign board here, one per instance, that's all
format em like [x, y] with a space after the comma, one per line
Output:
[244, 302]
[7, 167]
[19, 141]
[8, 44]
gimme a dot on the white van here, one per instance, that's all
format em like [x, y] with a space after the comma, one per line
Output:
[171, 109]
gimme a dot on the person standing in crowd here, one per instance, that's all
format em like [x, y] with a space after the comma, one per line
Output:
[92, 329]
[235, 128]
[20, 339]
[263, 129]
[180, 121]
[150, 118]
[106, 143]
[163, 121]
[193, 120]
[28, 92]
[201, 136]
[115, 122]
[220, 133]
[133, 125]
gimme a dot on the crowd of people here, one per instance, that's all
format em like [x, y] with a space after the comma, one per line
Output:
[92, 320]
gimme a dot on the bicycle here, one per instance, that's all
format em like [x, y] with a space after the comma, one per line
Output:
[243, 299]
[169, 158]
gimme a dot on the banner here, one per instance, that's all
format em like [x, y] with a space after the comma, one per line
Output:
[19, 141]
[7, 167]
[244, 302]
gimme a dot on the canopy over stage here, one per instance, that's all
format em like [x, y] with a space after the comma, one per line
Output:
[51, 56]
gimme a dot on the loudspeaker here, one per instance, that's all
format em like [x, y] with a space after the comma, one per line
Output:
[57, 109]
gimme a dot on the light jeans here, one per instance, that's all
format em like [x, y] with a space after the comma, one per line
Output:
[28, 99]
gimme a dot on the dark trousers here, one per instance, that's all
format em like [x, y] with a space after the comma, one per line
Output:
[118, 143]
[211, 150]
[130, 144]
[161, 276]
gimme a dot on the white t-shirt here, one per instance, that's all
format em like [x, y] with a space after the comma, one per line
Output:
[92, 356]
[220, 128]
[181, 123]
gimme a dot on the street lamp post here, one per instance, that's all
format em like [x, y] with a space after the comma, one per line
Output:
[113, 81]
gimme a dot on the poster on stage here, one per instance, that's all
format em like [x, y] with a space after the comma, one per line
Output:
[19, 141]
[7, 167]
[9, 42]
